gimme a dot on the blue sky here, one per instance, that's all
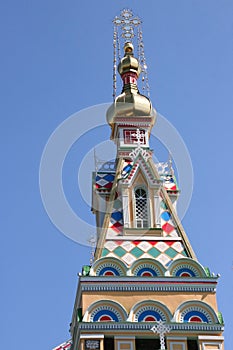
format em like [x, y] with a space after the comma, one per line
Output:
[56, 59]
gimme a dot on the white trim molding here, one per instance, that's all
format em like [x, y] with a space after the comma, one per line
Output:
[91, 336]
[207, 340]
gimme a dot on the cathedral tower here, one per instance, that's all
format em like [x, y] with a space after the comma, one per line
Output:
[145, 289]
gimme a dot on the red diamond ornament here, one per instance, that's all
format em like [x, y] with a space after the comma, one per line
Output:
[168, 228]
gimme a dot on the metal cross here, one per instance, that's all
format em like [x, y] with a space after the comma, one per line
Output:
[161, 329]
[127, 23]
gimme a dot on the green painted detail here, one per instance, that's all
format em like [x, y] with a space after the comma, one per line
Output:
[119, 251]
[220, 318]
[86, 270]
[171, 252]
[207, 271]
[105, 252]
[154, 252]
[163, 205]
[136, 252]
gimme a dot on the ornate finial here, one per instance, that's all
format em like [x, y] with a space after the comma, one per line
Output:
[128, 31]
[128, 48]
[127, 23]
[161, 329]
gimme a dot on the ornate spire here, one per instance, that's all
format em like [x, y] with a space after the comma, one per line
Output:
[128, 31]
[130, 103]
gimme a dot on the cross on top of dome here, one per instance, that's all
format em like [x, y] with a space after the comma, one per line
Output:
[127, 21]
[128, 29]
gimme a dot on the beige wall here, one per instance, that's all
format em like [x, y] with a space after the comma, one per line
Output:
[171, 300]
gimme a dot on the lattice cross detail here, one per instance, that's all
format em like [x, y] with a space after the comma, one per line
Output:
[139, 135]
[127, 22]
[139, 141]
[161, 329]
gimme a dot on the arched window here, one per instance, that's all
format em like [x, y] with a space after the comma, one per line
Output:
[141, 208]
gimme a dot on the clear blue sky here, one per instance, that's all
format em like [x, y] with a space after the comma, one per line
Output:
[56, 59]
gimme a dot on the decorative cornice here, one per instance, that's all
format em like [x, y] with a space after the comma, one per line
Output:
[145, 327]
[122, 120]
[126, 284]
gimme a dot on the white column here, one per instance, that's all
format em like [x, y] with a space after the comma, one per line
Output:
[125, 205]
[157, 201]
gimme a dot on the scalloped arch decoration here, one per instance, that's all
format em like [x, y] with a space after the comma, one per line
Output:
[105, 314]
[105, 311]
[109, 267]
[195, 311]
[186, 267]
[195, 314]
[149, 314]
[147, 268]
[185, 270]
[149, 311]
[109, 270]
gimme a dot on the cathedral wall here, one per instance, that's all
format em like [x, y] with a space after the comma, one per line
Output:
[171, 300]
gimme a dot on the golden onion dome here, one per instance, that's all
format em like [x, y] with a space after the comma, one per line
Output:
[129, 63]
[130, 102]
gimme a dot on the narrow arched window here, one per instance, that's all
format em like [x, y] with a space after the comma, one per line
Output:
[141, 208]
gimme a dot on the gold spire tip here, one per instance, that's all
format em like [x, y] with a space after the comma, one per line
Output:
[128, 48]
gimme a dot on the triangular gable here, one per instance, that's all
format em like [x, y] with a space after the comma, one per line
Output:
[141, 164]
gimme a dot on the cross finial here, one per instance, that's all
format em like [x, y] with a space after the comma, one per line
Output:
[128, 29]
[127, 22]
[161, 329]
